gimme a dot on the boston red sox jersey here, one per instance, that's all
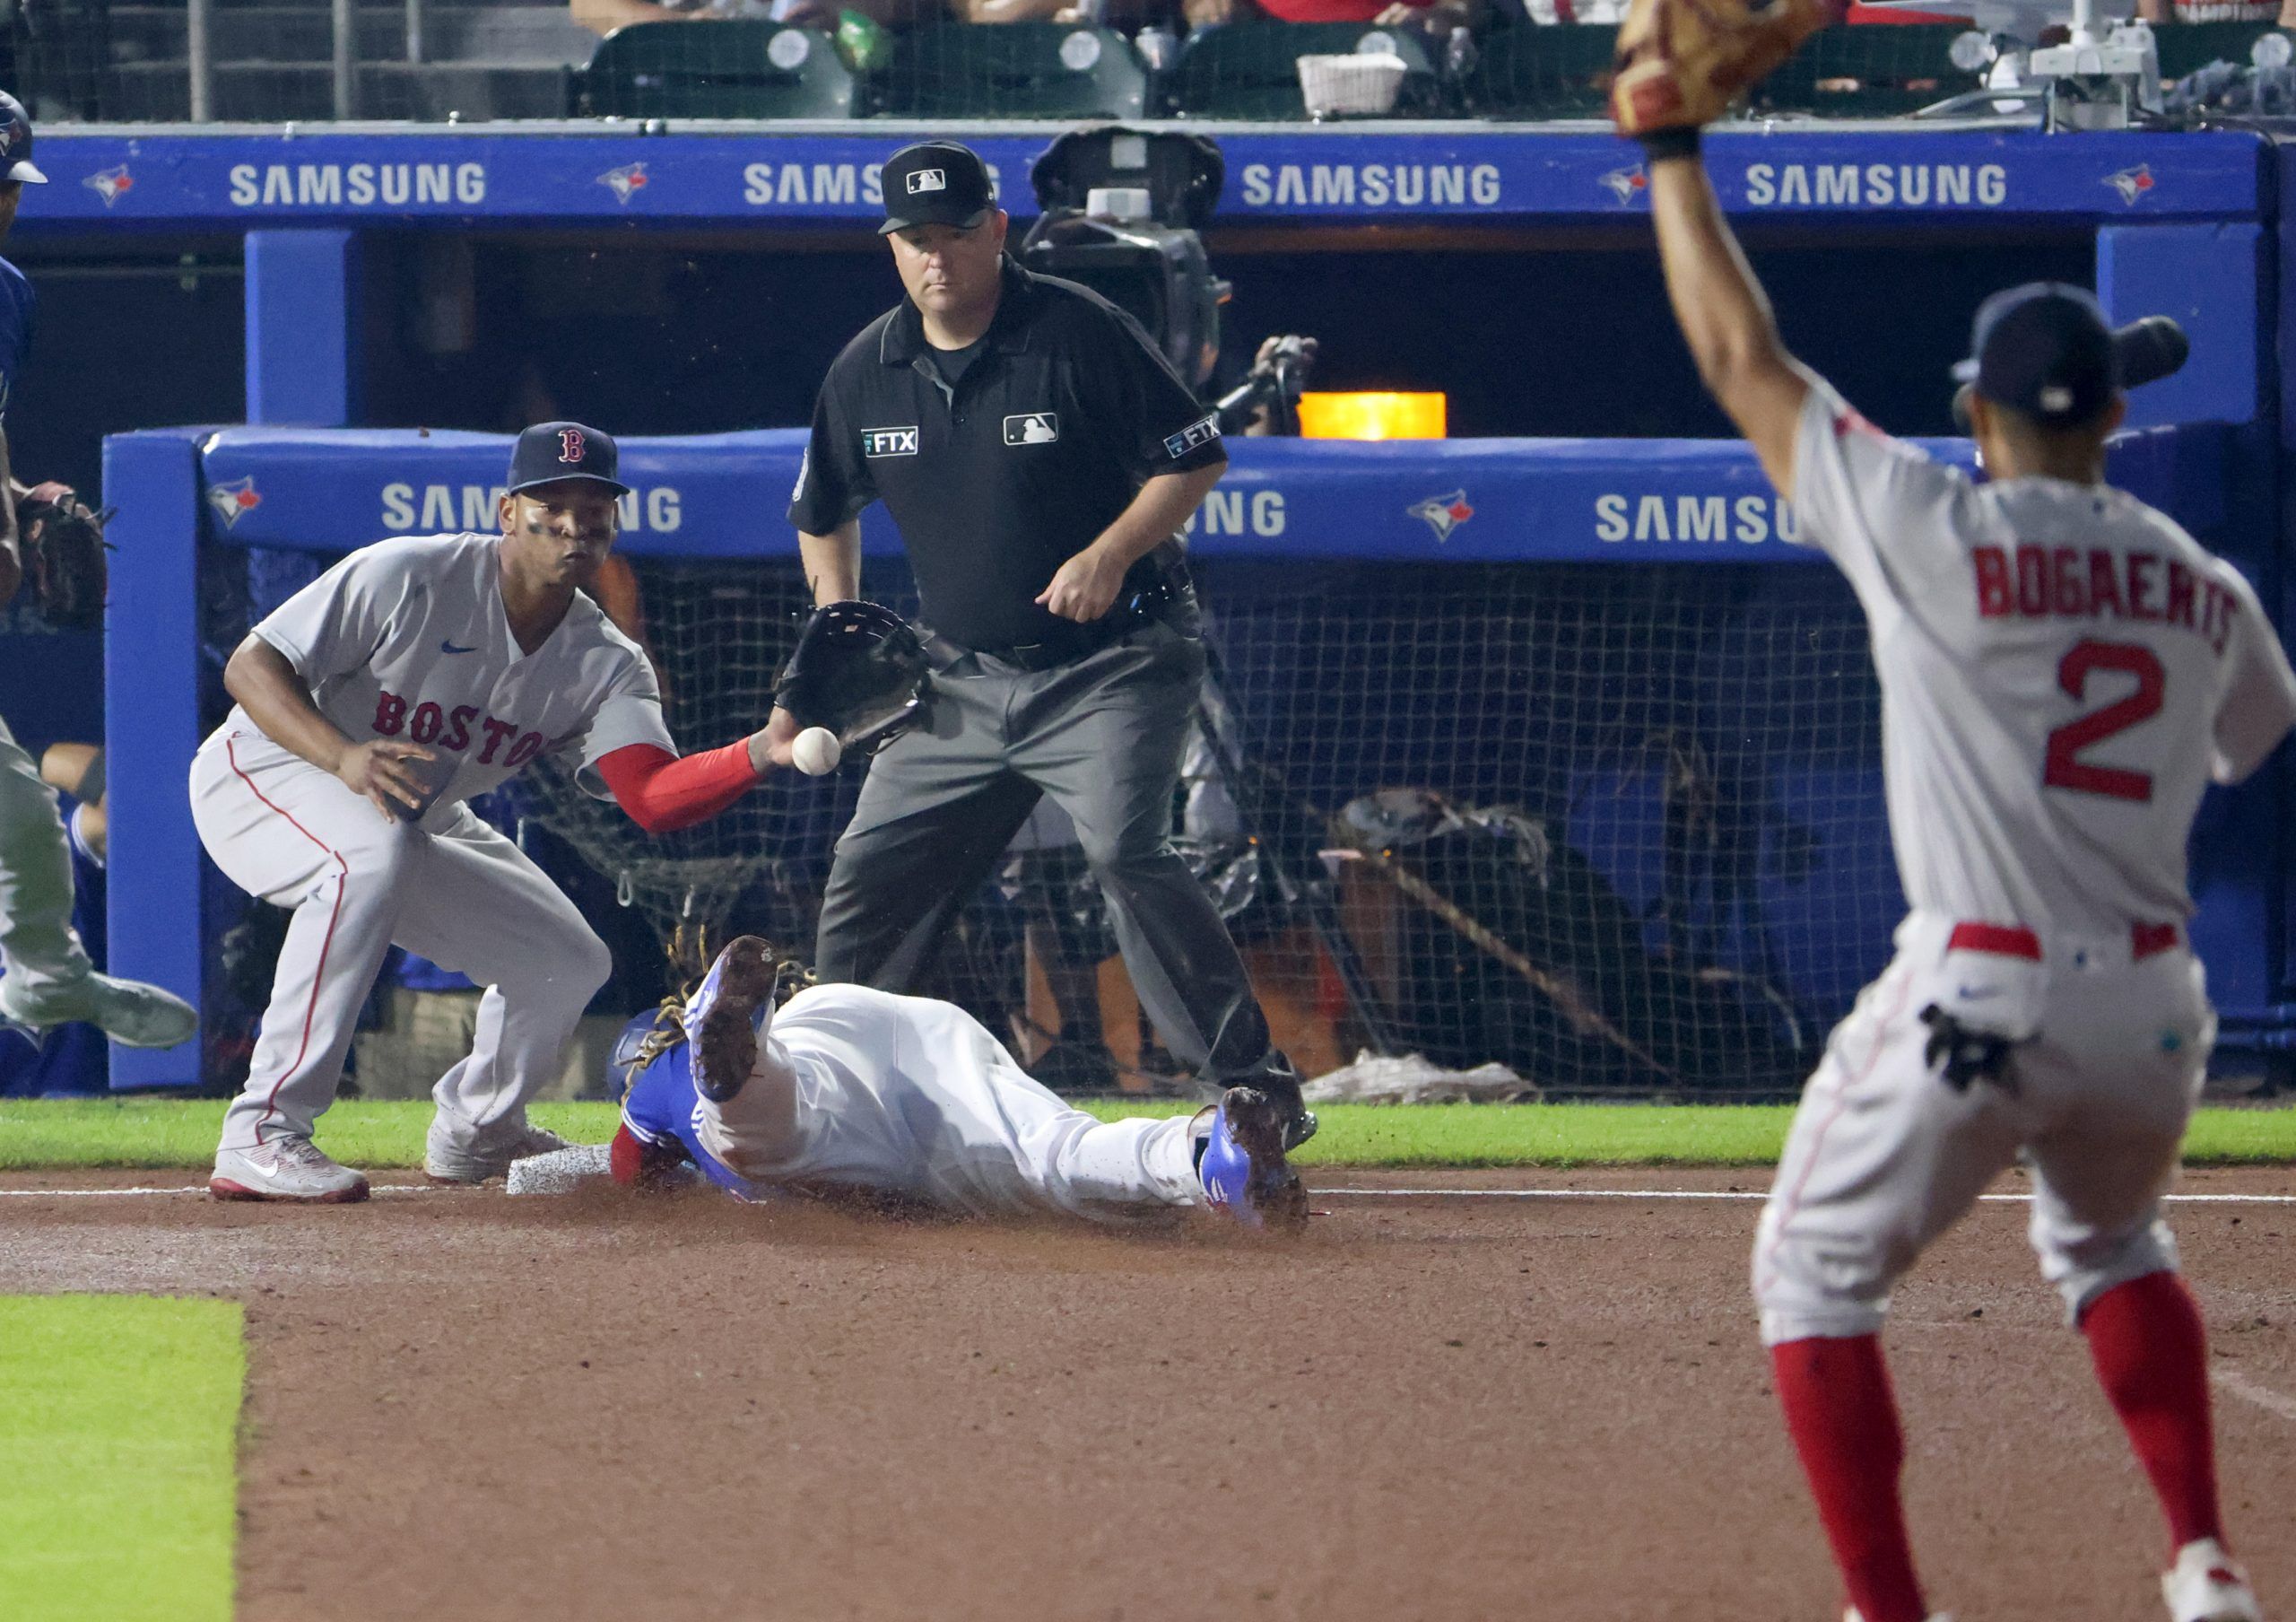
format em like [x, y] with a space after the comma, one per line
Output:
[2063, 671]
[409, 638]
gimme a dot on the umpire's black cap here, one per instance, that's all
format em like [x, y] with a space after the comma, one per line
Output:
[936, 183]
[16, 143]
[2043, 349]
[551, 451]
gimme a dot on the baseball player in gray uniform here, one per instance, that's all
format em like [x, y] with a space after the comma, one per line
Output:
[50, 980]
[2063, 671]
[411, 676]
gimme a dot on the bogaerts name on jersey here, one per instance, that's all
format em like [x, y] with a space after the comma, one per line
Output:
[2097, 583]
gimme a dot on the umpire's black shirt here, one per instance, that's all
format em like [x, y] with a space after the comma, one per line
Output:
[999, 479]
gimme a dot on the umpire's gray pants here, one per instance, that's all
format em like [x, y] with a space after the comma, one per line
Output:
[1103, 737]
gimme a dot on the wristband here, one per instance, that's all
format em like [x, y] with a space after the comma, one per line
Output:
[1660, 144]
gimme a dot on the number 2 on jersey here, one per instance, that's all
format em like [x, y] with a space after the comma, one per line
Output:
[2065, 769]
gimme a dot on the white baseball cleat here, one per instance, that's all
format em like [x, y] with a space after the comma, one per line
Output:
[128, 1011]
[444, 1160]
[285, 1168]
[2206, 1584]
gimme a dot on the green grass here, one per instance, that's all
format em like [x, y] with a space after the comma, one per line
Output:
[165, 1133]
[119, 1421]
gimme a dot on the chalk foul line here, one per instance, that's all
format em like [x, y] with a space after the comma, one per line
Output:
[1340, 1193]
[1718, 1194]
[2239, 1385]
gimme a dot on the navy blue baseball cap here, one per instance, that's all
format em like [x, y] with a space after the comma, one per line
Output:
[2043, 349]
[16, 143]
[936, 183]
[551, 451]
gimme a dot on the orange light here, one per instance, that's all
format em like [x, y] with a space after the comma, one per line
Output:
[1373, 416]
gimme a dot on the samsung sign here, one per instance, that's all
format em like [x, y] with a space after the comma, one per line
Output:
[1370, 185]
[356, 185]
[1876, 185]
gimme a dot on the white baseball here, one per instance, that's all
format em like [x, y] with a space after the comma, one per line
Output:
[816, 750]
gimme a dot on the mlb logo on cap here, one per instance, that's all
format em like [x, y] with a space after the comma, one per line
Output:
[936, 183]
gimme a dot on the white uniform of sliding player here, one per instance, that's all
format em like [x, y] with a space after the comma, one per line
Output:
[2063, 671]
[860, 1089]
[408, 639]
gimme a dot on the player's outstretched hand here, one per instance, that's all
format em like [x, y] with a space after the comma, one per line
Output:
[770, 745]
[1085, 588]
[379, 770]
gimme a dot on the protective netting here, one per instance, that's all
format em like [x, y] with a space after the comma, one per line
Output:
[1616, 828]
[272, 61]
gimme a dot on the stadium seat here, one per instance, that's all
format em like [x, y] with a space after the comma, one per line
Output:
[1868, 71]
[1250, 70]
[734, 69]
[1011, 70]
[1561, 72]
[2187, 48]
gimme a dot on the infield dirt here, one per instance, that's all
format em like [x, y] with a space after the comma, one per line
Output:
[463, 1406]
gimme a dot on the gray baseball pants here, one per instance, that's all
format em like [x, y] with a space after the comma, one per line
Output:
[1104, 737]
[36, 935]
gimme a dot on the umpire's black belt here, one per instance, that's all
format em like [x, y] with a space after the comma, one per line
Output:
[1032, 657]
[1134, 611]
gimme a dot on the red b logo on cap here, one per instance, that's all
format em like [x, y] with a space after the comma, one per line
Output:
[569, 445]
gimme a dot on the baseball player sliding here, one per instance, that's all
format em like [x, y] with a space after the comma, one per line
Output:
[2063, 671]
[851, 1090]
[415, 674]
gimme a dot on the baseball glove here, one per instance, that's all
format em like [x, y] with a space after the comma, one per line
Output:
[1680, 62]
[859, 670]
[63, 547]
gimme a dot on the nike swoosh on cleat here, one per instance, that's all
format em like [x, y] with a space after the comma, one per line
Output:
[448, 647]
[1977, 993]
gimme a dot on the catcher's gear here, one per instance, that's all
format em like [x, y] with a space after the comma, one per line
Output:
[62, 543]
[1680, 62]
[859, 670]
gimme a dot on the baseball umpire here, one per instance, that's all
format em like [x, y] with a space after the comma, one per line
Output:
[52, 546]
[1040, 458]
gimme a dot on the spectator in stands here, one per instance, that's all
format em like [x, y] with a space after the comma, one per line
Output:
[604, 17]
[1436, 16]
[2157, 12]
[1126, 14]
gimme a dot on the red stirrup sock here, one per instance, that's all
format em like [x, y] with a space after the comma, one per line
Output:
[2152, 1357]
[1844, 1421]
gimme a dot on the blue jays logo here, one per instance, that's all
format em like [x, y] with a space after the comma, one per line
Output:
[2131, 183]
[1627, 183]
[234, 500]
[108, 183]
[1444, 513]
[625, 182]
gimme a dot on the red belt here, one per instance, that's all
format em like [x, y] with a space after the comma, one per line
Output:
[2014, 940]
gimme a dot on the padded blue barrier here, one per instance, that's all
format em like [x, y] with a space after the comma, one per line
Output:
[596, 174]
[1309, 550]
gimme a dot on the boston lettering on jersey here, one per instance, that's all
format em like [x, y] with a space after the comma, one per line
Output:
[2096, 582]
[451, 729]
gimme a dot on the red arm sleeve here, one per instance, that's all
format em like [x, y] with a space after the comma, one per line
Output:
[662, 792]
[636, 1164]
[627, 1157]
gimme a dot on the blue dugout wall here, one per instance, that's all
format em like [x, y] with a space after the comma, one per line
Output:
[2183, 224]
